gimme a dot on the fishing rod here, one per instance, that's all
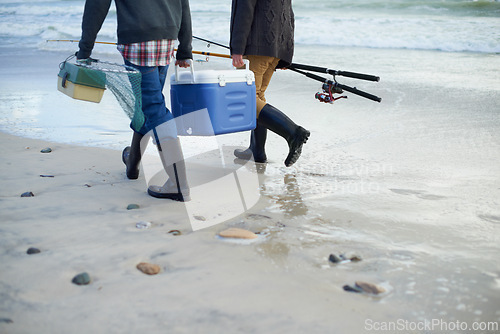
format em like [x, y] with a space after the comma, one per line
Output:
[361, 76]
[329, 87]
[76, 41]
[313, 68]
[111, 43]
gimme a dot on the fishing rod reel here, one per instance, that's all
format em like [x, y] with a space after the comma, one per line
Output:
[331, 87]
[326, 95]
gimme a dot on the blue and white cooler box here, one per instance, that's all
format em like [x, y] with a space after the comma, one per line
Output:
[210, 102]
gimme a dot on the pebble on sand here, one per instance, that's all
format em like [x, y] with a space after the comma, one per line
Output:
[352, 288]
[342, 258]
[46, 150]
[365, 287]
[175, 232]
[334, 258]
[81, 279]
[133, 206]
[370, 288]
[238, 233]
[27, 194]
[32, 250]
[148, 268]
[143, 225]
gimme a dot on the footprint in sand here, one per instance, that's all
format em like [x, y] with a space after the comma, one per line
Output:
[490, 218]
[419, 193]
[406, 191]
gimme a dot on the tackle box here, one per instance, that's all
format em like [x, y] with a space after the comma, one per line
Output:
[213, 102]
[81, 83]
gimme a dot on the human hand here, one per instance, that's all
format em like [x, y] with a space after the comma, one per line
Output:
[84, 61]
[182, 63]
[238, 61]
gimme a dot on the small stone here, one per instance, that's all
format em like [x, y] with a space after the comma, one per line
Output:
[237, 233]
[32, 250]
[334, 258]
[355, 258]
[352, 289]
[257, 216]
[46, 150]
[370, 288]
[143, 225]
[27, 194]
[175, 232]
[81, 279]
[6, 320]
[200, 218]
[148, 268]
[133, 206]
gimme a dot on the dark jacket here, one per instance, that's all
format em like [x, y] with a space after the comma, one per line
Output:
[263, 28]
[139, 21]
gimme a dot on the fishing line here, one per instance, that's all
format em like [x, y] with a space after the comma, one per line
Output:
[211, 42]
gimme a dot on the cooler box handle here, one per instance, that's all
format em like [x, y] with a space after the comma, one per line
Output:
[191, 67]
[247, 64]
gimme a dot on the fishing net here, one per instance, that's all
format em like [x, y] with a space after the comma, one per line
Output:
[122, 80]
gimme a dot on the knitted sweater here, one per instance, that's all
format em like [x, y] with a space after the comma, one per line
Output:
[139, 21]
[263, 28]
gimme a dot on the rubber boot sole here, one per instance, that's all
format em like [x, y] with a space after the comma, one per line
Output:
[300, 138]
[173, 196]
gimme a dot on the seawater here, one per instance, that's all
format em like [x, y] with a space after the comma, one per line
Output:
[324, 30]
[452, 25]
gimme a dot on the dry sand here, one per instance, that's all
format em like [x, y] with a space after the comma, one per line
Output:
[79, 220]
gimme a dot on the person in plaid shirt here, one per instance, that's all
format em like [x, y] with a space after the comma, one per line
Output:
[146, 35]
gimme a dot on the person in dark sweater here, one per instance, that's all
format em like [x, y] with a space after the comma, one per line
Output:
[262, 31]
[146, 33]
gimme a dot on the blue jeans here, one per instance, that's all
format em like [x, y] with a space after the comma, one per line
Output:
[153, 102]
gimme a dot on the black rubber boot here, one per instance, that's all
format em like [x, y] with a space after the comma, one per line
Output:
[131, 156]
[176, 188]
[281, 124]
[256, 148]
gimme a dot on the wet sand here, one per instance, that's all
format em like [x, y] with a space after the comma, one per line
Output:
[409, 185]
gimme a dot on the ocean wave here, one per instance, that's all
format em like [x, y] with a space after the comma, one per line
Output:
[210, 6]
[426, 33]
[398, 24]
[41, 10]
[479, 8]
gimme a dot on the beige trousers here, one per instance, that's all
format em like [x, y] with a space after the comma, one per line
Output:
[263, 68]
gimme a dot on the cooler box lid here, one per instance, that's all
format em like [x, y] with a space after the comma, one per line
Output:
[221, 77]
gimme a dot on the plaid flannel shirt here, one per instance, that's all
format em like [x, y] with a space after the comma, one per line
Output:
[150, 53]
